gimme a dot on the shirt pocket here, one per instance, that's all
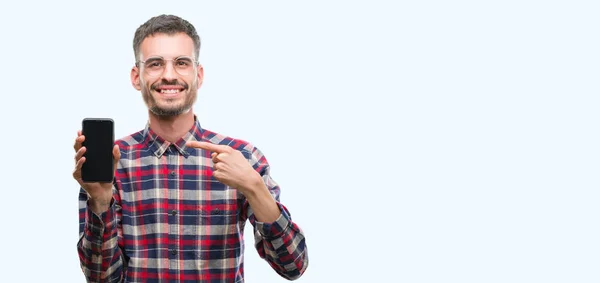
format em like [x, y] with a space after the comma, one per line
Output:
[218, 210]
[217, 217]
[219, 236]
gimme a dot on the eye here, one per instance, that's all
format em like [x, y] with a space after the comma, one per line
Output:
[154, 64]
[183, 63]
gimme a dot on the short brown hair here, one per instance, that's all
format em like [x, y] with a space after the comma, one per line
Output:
[168, 24]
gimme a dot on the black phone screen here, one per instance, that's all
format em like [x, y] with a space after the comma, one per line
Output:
[99, 142]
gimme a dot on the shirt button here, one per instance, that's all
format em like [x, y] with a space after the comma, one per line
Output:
[173, 212]
[172, 173]
[173, 252]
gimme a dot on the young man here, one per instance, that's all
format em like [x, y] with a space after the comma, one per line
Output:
[181, 196]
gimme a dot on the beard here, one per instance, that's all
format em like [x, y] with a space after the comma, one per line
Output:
[170, 107]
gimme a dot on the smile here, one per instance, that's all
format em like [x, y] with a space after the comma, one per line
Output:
[170, 91]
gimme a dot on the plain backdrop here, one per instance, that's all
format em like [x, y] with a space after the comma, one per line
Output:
[414, 141]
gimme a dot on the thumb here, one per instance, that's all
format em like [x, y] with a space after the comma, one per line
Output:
[116, 156]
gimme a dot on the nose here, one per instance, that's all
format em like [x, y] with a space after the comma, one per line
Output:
[169, 73]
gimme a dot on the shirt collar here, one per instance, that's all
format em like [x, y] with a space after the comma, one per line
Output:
[159, 146]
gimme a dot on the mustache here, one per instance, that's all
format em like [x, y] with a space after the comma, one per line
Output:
[170, 83]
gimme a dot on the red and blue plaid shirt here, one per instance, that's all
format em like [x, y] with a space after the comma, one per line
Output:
[171, 221]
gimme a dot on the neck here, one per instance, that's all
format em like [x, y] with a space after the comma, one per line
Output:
[172, 128]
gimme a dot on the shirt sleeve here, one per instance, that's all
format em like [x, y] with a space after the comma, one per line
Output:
[100, 256]
[281, 243]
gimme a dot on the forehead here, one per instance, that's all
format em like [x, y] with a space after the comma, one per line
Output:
[167, 46]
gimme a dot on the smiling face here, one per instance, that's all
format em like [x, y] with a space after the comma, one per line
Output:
[167, 73]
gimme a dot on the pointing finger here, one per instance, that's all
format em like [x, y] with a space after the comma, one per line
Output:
[209, 146]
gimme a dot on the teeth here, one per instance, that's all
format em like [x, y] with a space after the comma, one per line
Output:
[169, 91]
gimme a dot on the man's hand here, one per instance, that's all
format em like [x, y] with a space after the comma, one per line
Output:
[100, 193]
[231, 167]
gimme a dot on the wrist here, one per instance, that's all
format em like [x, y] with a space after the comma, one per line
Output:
[99, 205]
[254, 187]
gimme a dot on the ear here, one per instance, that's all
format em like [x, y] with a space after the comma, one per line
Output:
[200, 75]
[135, 78]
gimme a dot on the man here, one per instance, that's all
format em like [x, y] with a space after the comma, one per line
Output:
[181, 195]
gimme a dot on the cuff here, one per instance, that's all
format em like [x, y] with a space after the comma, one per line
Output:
[275, 229]
[98, 224]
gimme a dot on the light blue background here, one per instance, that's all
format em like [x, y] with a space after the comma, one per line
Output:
[415, 141]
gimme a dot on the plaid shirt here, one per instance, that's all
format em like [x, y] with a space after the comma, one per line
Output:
[171, 221]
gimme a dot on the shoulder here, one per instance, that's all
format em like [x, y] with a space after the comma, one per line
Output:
[256, 158]
[235, 143]
[247, 148]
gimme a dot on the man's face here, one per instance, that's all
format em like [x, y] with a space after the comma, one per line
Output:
[167, 74]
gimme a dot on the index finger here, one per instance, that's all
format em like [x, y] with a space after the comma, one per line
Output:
[208, 146]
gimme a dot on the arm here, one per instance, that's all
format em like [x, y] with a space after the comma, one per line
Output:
[280, 242]
[100, 256]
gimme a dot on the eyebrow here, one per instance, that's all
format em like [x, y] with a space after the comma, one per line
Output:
[154, 59]
[178, 57]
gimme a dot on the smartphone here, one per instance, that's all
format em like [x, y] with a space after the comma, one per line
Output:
[99, 142]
